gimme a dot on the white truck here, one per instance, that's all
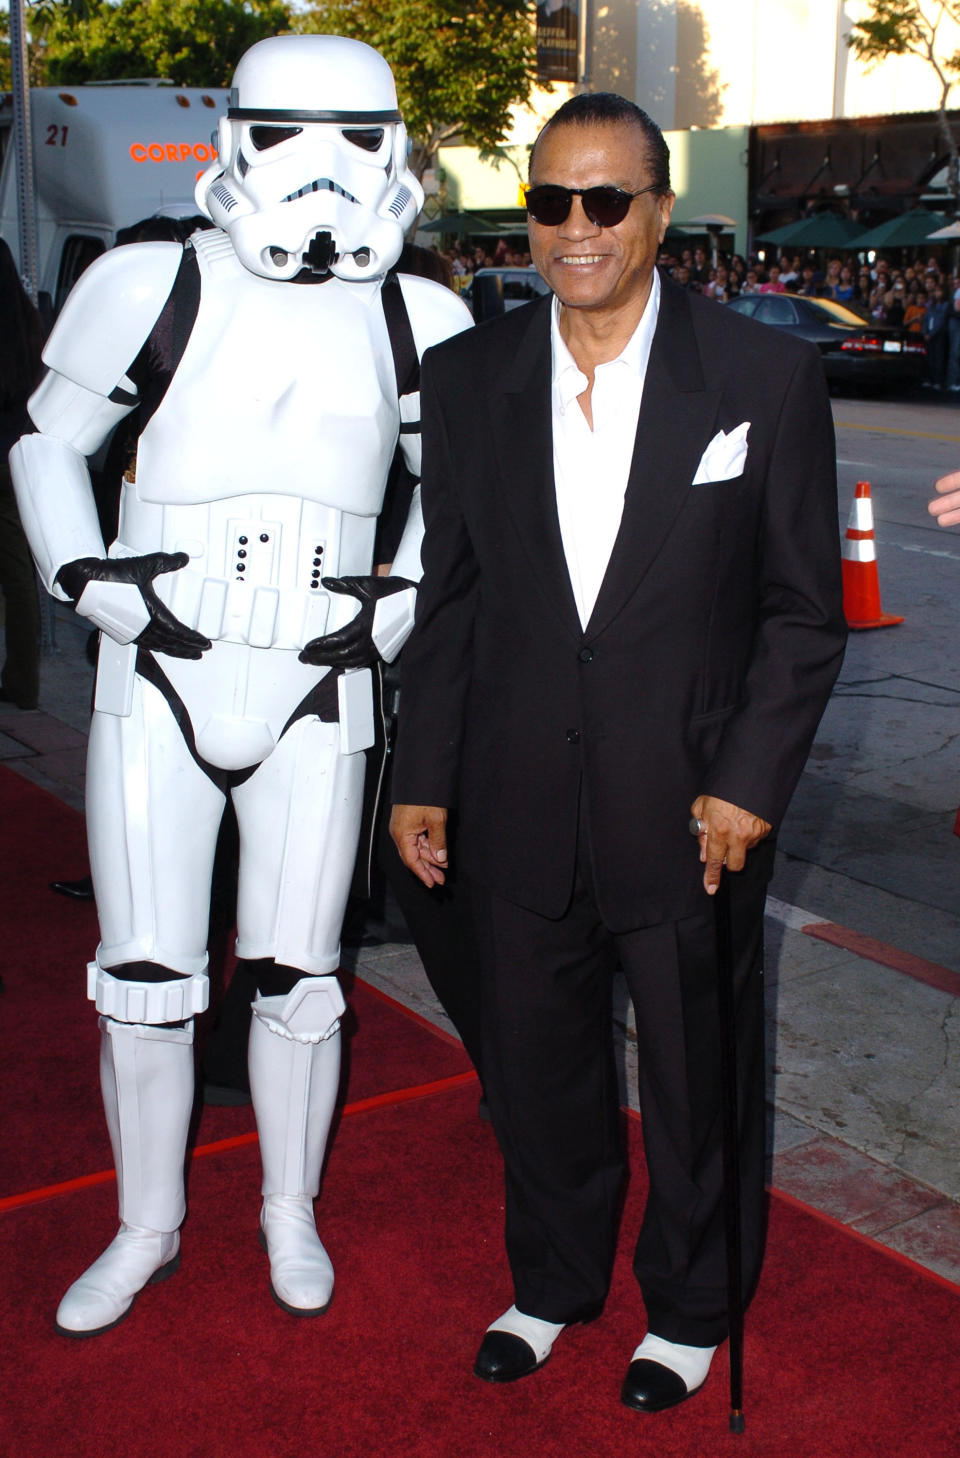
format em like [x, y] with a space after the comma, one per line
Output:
[105, 157]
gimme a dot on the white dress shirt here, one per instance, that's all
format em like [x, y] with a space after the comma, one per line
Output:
[591, 467]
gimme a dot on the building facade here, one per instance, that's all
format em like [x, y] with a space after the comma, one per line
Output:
[767, 111]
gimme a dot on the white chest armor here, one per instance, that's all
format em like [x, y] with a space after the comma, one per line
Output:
[282, 390]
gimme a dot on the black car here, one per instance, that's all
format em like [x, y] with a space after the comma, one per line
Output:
[855, 350]
[494, 291]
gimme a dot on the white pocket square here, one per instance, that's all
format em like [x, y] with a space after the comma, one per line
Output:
[725, 456]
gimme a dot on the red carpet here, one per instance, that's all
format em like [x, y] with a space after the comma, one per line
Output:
[849, 1352]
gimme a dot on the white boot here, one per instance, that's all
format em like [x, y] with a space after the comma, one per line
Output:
[294, 1075]
[146, 1075]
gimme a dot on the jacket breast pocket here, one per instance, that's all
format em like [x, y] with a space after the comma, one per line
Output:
[723, 482]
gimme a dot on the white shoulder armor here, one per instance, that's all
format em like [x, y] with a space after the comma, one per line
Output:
[436, 312]
[109, 313]
[99, 333]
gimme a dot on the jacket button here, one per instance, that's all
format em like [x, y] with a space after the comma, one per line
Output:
[573, 736]
[585, 655]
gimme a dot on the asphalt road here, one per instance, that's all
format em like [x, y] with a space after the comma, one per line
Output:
[869, 841]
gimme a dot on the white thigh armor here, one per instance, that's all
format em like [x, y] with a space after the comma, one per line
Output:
[153, 816]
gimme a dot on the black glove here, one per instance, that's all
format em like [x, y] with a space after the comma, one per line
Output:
[352, 646]
[164, 633]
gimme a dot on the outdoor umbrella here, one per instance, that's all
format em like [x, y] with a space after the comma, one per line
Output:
[778, 235]
[905, 231]
[952, 230]
[820, 230]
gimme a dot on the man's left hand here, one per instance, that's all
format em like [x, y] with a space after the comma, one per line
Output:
[728, 833]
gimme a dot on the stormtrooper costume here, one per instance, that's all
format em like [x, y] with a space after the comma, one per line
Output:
[240, 623]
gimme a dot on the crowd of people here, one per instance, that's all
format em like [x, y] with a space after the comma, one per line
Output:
[922, 296]
[466, 257]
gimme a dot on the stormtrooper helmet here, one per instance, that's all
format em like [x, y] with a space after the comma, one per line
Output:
[312, 177]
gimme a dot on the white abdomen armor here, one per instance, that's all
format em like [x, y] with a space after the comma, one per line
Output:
[256, 564]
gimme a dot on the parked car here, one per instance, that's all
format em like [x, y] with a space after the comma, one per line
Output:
[493, 291]
[855, 350]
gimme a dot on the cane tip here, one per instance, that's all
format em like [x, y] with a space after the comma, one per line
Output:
[737, 1421]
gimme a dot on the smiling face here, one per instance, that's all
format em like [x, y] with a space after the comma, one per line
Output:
[599, 270]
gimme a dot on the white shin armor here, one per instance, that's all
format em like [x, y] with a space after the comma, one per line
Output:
[146, 1075]
[294, 1064]
[294, 1076]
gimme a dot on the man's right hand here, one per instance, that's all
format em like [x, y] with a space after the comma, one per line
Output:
[117, 595]
[420, 835]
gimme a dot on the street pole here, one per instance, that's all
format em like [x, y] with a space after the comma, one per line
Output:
[584, 67]
[23, 150]
[27, 220]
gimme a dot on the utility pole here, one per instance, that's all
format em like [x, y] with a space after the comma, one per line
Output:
[583, 45]
[23, 150]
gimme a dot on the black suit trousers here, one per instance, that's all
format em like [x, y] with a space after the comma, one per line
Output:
[550, 1078]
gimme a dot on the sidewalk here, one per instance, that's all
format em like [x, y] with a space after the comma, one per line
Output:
[864, 1040]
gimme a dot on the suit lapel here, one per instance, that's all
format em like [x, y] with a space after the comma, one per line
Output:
[677, 419]
[520, 414]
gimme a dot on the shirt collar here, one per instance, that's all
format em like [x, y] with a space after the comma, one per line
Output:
[569, 380]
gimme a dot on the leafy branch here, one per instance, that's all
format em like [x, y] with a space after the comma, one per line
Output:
[906, 27]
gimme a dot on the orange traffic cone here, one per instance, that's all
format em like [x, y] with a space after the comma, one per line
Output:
[861, 584]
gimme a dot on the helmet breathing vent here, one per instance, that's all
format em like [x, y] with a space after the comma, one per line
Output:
[399, 204]
[223, 196]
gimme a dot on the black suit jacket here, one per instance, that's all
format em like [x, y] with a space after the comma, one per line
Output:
[715, 640]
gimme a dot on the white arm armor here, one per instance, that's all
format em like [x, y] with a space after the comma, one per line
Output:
[56, 505]
[435, 314]
[393, 615]
[393, 622]
[101, 329]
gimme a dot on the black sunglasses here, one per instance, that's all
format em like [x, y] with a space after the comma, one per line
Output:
[550, 204]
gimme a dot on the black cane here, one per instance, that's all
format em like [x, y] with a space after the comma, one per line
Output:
[731, 1149]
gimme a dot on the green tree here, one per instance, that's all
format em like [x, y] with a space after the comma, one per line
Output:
[5, 77]
[192, 42]
[460, 65]
[907, 28]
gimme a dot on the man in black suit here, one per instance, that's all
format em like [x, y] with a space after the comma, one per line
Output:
[630, 614]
